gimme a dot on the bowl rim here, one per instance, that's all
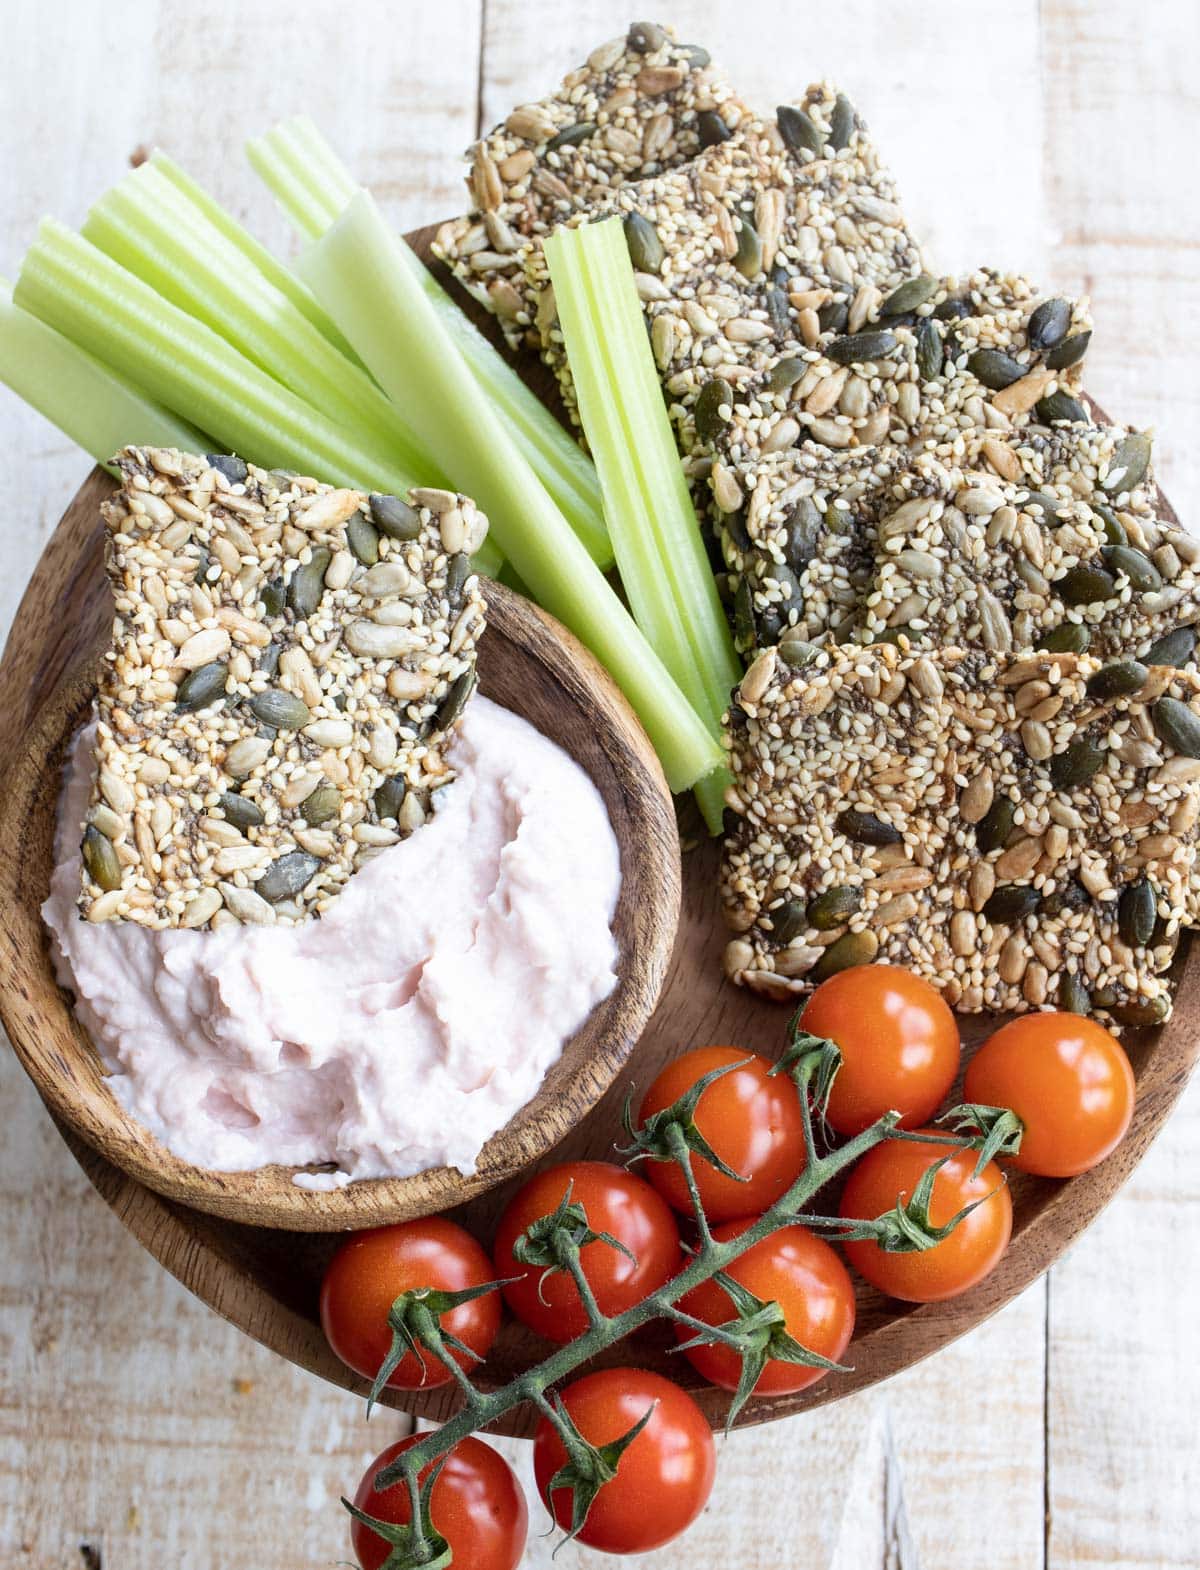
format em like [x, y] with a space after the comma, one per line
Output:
[645, 923]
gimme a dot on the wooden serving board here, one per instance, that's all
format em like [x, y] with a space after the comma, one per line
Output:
[267, 1282]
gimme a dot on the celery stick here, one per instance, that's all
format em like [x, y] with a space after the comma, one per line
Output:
[82, 293]
[273, 270]
[88, 402]
[655, 533]
[148, 227]
[358, 272]
[295, 156]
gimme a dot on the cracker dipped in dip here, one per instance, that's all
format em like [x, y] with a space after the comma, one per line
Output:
[399, 1019]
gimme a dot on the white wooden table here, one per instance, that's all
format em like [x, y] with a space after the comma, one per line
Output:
[136, 1430]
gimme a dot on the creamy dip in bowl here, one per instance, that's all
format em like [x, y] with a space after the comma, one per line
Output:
[400, 1030]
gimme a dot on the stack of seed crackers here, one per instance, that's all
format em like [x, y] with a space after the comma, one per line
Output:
[949, 582]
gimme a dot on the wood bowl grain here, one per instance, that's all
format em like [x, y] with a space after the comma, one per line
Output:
[528, 663]
[267, 1281]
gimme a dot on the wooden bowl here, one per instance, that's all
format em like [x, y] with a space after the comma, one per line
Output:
[526, 662]
[267, 1281]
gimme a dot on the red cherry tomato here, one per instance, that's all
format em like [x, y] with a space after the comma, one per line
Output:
[476, 1505]
[614, 1201]
[752, 1121]
[891, 1171]
[805, 1277]
[663, 1479]
[1067, 1079]
[899, 1043]
[371, 1269]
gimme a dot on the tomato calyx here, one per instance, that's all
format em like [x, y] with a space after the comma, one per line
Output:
[588, 1467]
[908, 1228]
[416, 1544]
[994, 1131]
[555, 1242]
[757, 1333]
[813, 1063]
[414, 1320]
[671, 1133]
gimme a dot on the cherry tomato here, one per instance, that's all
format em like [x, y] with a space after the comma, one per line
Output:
[1069, 1082]
[476, 1505]
[751, 1120]
[663, 1479]
[805, 1277]
[614, 1201]
[899, 1044]
[891, 1171]
[372, 1268]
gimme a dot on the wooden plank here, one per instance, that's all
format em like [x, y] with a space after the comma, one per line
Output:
[1124, 1476]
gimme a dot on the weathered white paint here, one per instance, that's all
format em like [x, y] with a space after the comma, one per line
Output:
[131, 1418]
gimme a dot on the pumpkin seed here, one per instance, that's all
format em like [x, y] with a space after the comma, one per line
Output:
[857, 347]
[100, 859]
[307, 584]
[788, 922]
[866, 829]
[1073, 995]
[1076, 765]
[889, 635]
[993, 829]
[1118, 680]
[201, 687]
[393, 517]
[1137, 912]
[749, 257]
[287, 876]
[797, 653]
[280, 710]
[1085, 585]
[841, 123]
[646, 38]
[833, 316]
[744, 630]
[1129, 463]
[389, 796]
[1177, 725]
[234, 470]
[911, 293]
[802, 532]
[799, 132]
[1173, 648]
[931, 353]
[1069, 637]
[362, 540]
[1048, 324]
[570, 134]
[268, 660]
[241, 811]
[321, 804]
[715, 396]
[455, 700]
[1011, 904]
[995, 369]
[696, 56]
[785, 373]
[1060, 406]
[834, 907]
[1072, 896]
[776, 301]
[952, 309]
[1139, 569]
[711, 129]
[1140, 1011]
[274, 597]
[645, 247]
[458, 570]
[1069, 352]
[852, 948]
[1114, 532]
[1052, 506]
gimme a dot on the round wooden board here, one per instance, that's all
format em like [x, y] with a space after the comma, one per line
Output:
[266, 1281]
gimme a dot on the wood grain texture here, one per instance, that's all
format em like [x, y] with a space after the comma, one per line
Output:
[1048, 150]
[528, 663]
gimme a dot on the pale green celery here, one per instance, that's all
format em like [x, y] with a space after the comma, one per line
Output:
[146, 225]
[656, 537]
[359, 275]
[272, 269]
[182, 363]
[312, 186]
[86, 400]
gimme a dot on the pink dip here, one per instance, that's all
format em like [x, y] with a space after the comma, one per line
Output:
[404, 1027]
